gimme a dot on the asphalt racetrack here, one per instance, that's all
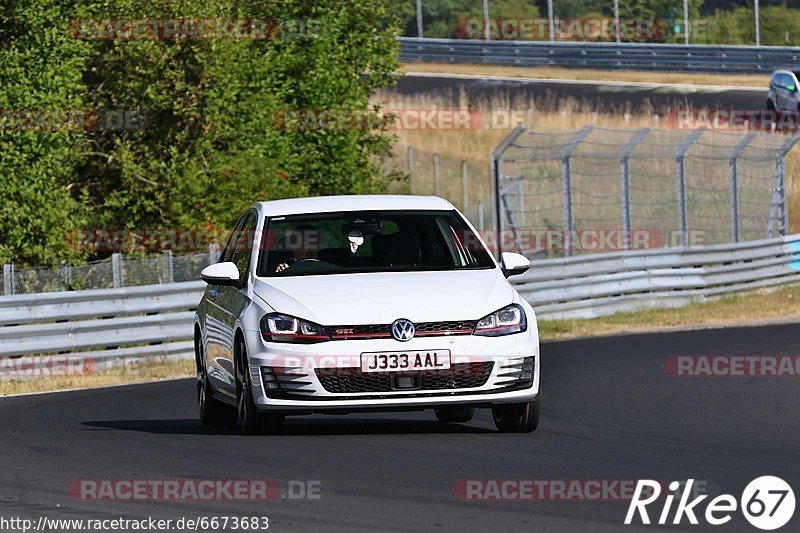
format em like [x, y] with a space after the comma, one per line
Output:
[611, 412]
[600, 96]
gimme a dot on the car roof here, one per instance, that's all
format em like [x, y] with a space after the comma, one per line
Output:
[355, 202]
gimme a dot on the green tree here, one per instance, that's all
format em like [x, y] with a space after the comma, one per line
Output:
[40, 76]
[208, 143]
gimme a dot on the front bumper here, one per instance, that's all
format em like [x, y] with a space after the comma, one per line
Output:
[299, 378]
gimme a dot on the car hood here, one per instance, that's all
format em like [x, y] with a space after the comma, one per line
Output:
[381, 298]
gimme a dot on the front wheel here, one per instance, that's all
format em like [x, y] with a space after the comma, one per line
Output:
[251, 421]
[770, 105]
[518, 417]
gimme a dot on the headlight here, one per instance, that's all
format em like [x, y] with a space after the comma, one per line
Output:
[276, 327]
[506, 321]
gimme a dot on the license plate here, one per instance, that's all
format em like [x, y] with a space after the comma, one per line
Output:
[405, 361]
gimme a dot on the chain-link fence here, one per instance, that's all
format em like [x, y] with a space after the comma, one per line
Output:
[116, 271]
[465, 184]
[601, 189]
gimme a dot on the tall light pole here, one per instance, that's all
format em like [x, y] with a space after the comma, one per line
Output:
[758, 33]
[686, 21]
[616, 19]
[419, 19]
[550, 19]
[487, 35]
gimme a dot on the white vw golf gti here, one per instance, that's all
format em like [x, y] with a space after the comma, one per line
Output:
[355, 303]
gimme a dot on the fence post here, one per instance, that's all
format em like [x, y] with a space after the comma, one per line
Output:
[436, 174]
[66, 276]
[213, 253]
[116, 270]
[681, 168]
[498, 195]
[8, 279]
[410, 156]
[625, 186]
[169, 266]
[566, 186]
[734, 185]
[781, 183]
[464, 184]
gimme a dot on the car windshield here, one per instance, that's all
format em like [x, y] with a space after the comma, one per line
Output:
[369, 241]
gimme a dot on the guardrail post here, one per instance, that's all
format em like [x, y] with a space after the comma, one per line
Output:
[734, 174]
[410, 156]
[625, 185]
[436, 174]
[116, 270]
[169, 266]
[464, 185]
[681, 170]
[566, 187]
[497, 194]
[8, 279]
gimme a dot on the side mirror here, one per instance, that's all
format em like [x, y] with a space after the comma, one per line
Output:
[221, 274]
[514, 264]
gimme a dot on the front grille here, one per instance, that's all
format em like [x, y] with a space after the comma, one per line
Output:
[384, 331]
[353, 381]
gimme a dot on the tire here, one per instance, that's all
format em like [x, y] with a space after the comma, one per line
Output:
[518, 417]
[212, 411]
[454, 415]
[250, 420]
[770, 105]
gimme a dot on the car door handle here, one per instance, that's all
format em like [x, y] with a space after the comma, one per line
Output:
[213, 293]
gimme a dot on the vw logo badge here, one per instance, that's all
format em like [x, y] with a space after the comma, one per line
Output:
[403, 330]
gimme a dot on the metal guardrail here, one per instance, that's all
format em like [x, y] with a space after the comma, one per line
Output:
[699, 58]
[600, 284]
[156, 320]
[99, 326]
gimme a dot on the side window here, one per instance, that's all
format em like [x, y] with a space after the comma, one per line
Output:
[242, 245]
[226, 253]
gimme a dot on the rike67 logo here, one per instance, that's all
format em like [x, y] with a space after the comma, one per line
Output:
[767, 503]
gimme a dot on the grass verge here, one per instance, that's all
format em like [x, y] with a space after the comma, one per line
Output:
[149, 370]
[760, 81]
[782, 305]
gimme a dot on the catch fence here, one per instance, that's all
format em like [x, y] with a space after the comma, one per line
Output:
[598, 190]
